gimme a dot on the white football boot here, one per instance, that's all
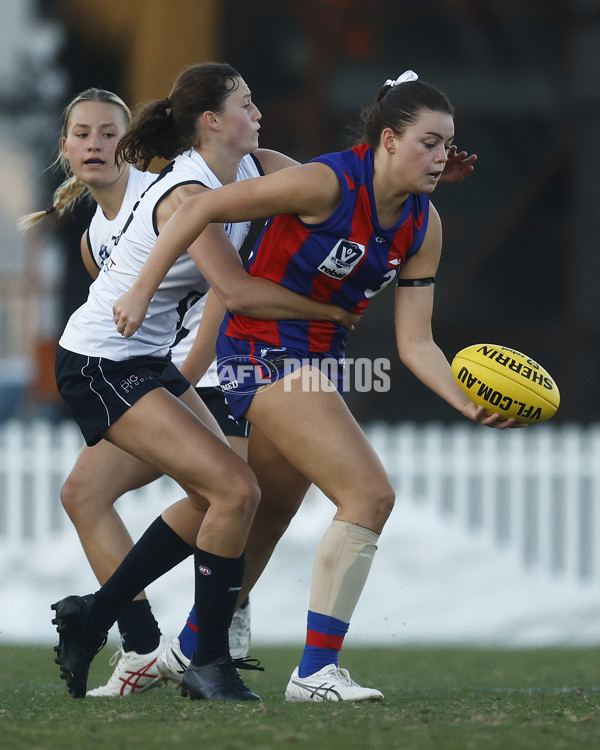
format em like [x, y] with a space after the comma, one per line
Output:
[172, 662]
[328, 684]
[239, 633]
[133, 674]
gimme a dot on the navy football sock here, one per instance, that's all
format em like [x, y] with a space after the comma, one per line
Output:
[158, 550]
[218, 583]
[138, 627]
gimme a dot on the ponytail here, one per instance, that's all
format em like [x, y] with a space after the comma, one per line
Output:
[167, 127]
[64, 199]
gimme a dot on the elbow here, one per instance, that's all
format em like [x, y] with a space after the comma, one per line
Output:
[405, 358]
[237, 302]
[404, 350]
[246, 309]
[411, 350]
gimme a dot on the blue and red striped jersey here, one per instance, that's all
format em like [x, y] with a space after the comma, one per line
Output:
[344, 260]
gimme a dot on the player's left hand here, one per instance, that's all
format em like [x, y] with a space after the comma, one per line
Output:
[458, 166]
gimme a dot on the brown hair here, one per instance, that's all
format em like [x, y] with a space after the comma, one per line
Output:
[168, 127]
[398, 106]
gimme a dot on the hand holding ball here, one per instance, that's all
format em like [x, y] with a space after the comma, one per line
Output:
[506, 382]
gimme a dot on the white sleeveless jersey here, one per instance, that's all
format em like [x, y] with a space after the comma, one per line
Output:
[102, 232]
[176, 304]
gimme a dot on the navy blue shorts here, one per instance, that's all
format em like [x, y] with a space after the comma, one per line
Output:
[97, 391]
[215, 401]
[245, 366]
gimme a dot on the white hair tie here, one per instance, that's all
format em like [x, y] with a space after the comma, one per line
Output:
[408, 75]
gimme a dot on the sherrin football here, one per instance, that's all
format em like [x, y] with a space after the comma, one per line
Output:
[506, 382]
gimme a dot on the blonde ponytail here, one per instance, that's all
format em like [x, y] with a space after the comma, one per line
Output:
[29, 220]
[64, 199]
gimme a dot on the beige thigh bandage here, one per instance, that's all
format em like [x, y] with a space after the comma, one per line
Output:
[341, 567]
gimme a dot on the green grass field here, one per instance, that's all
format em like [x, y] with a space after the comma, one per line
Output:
[451, 699]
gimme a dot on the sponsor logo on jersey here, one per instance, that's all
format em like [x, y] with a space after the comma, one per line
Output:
[343, 259]
[205, 570]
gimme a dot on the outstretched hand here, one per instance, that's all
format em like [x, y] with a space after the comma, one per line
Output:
[129, 312]
[458, 166]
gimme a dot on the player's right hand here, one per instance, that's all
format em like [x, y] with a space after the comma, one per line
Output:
[129, 312]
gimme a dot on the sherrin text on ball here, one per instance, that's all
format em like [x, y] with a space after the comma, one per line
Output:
[506, 382]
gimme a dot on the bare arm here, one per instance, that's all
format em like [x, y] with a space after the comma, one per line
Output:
[312, 192]
[242, 294]
[202, 352]
[86, 257]
[309, 190]
[273, 161]
[416, 346]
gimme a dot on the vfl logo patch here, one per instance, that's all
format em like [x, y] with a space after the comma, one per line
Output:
[343, 259]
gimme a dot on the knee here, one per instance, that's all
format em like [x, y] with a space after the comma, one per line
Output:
[272, 526]
[386, 502]
[72, 495]
[247, 496]
[84, 499]
[382, 503]
[237, 493]
[243, 499]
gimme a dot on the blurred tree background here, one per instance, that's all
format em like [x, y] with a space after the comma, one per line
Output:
[521, 253]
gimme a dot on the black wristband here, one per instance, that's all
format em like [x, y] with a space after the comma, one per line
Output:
[428, 281]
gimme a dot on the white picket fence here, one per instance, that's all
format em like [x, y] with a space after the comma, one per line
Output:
[534, 491]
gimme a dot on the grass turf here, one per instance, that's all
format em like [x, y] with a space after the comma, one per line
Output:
[446, 698]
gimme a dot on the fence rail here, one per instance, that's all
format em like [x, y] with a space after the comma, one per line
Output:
[535, 491]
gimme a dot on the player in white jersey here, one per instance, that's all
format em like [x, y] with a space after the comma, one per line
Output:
[91, 329]
[122, 396]
[92, 124]
[135, 670]
[102, 231]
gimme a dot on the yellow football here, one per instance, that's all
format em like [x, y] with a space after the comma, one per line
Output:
[506, 382]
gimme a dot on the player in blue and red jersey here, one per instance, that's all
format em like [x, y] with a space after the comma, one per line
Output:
[350, 258]
[345, 225]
